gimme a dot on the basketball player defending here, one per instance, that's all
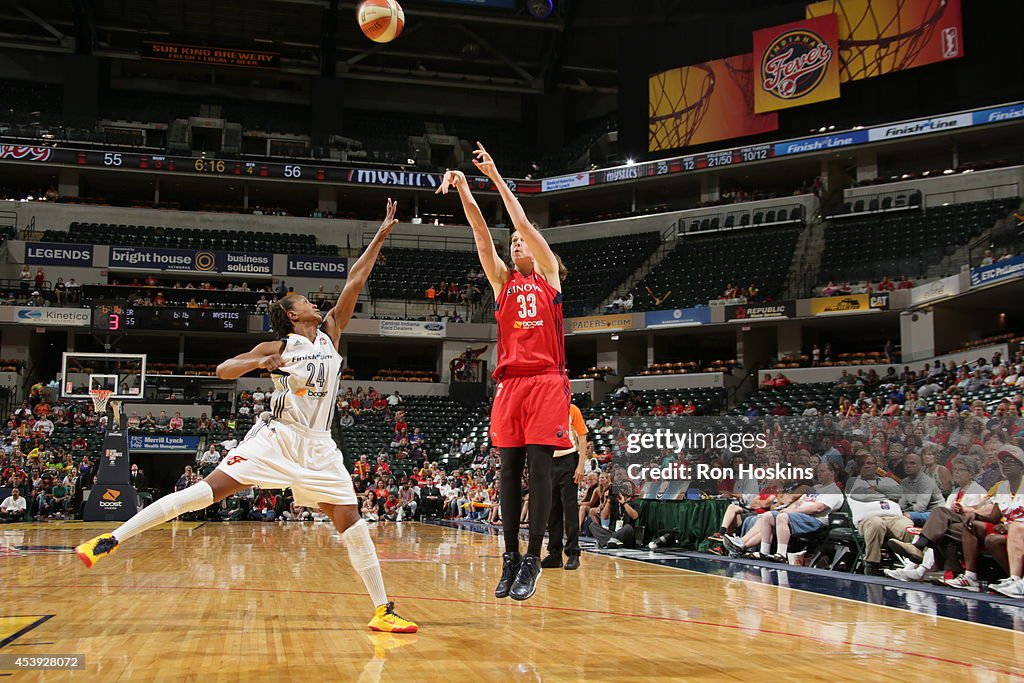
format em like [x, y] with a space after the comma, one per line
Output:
[530, 415]
[291, 446]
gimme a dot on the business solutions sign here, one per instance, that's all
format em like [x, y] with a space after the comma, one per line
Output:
[138, 258]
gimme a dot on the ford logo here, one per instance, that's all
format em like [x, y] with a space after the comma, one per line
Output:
[434, 327]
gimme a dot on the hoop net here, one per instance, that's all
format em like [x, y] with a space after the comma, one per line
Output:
[877, 43]
[741, 70]
[679, 99]
[99, 399]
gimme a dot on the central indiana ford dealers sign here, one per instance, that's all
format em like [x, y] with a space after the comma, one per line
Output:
[319, 266]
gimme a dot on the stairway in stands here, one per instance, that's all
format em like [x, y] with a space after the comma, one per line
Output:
[665, 247]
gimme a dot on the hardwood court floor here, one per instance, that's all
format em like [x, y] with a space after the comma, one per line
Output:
[279, 602]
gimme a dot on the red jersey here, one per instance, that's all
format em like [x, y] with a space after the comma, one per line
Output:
[531, 331]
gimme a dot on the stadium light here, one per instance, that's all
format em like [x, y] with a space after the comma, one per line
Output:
[630, 162]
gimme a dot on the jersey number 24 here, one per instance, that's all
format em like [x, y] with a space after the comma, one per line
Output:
[317, 375]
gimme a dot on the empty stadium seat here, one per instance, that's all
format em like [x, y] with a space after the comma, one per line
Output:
[904, 243]
[700, 267]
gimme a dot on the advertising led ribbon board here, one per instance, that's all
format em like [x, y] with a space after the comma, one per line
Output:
[429, 181]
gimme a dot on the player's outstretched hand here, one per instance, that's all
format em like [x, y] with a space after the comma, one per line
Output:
[485, 163]
[389, 220]
[272, 362]
[451, 179]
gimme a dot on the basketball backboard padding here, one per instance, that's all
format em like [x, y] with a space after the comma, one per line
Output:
[123, 373]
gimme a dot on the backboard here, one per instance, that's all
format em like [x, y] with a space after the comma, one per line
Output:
[124, 374]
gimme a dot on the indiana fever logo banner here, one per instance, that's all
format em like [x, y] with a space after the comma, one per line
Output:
[796, 64]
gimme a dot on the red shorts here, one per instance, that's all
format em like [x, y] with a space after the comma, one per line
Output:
[990, 529]
[531, 410]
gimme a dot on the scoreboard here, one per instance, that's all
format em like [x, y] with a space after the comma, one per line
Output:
[119, 317]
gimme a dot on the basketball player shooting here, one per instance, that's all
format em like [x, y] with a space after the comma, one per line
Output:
[530, 415]
[291, 445]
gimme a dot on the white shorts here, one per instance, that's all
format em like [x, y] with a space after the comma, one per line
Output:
[280, 456]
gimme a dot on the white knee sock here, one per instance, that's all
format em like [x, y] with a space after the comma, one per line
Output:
[928, 561]
[195, 497]
[363, 557]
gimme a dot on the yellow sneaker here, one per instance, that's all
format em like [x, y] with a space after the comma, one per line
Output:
[387, 621]
[93, 550]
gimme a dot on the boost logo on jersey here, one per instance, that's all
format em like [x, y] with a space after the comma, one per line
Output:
[527, 324]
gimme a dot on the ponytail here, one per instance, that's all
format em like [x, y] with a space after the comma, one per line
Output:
[280, 323]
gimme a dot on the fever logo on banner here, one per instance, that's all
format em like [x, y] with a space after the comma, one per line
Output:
[797, 64]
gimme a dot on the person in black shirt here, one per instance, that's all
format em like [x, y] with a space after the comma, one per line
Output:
[623, 507]
[430, 500]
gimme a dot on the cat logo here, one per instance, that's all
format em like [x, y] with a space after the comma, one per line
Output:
[235, 459]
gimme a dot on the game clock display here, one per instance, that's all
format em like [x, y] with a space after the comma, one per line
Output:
[126, 317]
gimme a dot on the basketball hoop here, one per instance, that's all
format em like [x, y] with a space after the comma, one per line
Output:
[679, 98]
[99, 399]
[874, 41]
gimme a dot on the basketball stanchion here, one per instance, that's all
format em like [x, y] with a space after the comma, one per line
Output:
[112, 497]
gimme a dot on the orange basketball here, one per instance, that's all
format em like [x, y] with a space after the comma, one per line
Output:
[381, 20]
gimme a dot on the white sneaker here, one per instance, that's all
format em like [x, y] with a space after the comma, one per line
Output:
[1011, 588]
[903, 563]
[902, 574]
[733, 543]
[962, 581]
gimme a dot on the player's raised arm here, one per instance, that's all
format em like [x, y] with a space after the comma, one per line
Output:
[338, 317]
[266, 355]
[544, 258]
[494, 268]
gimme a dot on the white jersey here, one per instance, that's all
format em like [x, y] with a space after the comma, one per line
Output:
[306, 385]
